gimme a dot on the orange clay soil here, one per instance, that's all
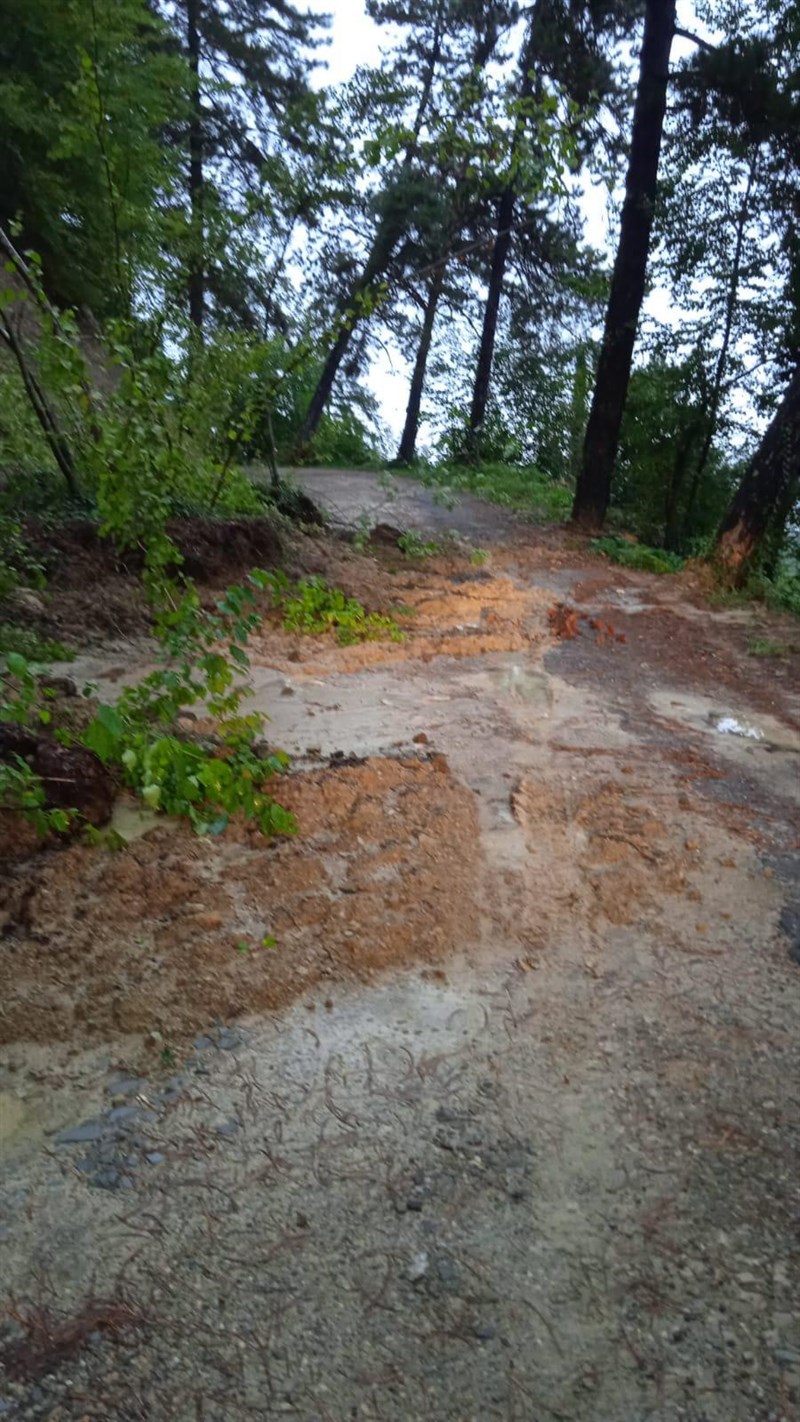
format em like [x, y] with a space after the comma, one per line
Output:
[167, 935]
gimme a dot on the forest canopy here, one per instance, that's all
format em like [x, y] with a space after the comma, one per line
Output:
[207, 244]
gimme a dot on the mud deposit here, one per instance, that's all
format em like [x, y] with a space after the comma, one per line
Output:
[168, 935]
[503, 1123]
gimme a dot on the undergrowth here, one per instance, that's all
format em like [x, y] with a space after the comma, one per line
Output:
[310, 606]
[414, 546]
[31, 646]
[769, 647]
[636, 555]
[512, 486]
[202, 654]
[779, 594]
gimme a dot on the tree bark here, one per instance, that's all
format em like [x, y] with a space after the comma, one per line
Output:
[764, 488]
[41, 407]
[722, 356]
[196, 285]
[483, 369]
[408, 441]
[630, 269]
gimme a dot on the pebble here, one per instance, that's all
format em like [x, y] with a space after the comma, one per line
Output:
[127, 1086]
[123, 1113]
[229, 1039]
[447, 1271]
[107, 1179]
[154, 1157]
[227, 1128]
[418, 1267]
[78, 1135]
[485, 1331]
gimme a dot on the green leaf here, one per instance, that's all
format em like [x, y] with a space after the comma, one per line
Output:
[16, 664]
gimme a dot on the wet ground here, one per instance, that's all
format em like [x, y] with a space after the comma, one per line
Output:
[521, 1143]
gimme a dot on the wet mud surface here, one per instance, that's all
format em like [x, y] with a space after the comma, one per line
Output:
[505, 1124]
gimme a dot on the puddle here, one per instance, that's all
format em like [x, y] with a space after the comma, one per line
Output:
[521, 684]
[131, 821]
[633, 600]
[728, 725]
[742, 733]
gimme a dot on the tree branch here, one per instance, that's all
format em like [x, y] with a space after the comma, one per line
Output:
[695, 39]
[59, 448]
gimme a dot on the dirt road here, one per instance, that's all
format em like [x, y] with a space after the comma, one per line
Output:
[518, 1136]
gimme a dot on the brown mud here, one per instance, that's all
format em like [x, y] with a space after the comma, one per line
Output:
[504, 1123]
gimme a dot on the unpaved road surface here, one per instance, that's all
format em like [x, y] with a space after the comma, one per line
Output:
[518, 1136]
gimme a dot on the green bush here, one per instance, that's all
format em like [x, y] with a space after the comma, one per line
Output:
[514, 486]
[636, 555]
[18, 566]
[202, 655]
[207, 781]
[31, 646]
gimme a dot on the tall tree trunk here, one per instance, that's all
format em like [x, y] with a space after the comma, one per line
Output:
[673, 488]
[630, 269]
[384, 243]
[775, 541]
[483, 369]
[722, 355]
[763, 491]
[408, 441]
[502, 244]
[348, 318]
[577, 412]
[196, 285]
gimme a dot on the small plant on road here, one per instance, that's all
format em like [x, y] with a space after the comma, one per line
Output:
[414, 546]
[311, 607]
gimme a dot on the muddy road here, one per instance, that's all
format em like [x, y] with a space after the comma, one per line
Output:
[506, 1124]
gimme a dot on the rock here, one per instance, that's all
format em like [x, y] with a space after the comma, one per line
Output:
[126, 1086]
[485, 1331]
[79, 1135]
[123, 1113]
[418, 1267]
[447, 1271]
[420, 739]
[386, 534]
[62, 685]
[228, 1039]
[107, 1179]
[75, 779]
[787, 1357]
[207, 921]
[154, 1157]
[227, 1128]
[24, 600]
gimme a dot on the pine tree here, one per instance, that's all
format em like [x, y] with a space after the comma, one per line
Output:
[85, 97]
[630, 268]
[445, 40]
[249, 66]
